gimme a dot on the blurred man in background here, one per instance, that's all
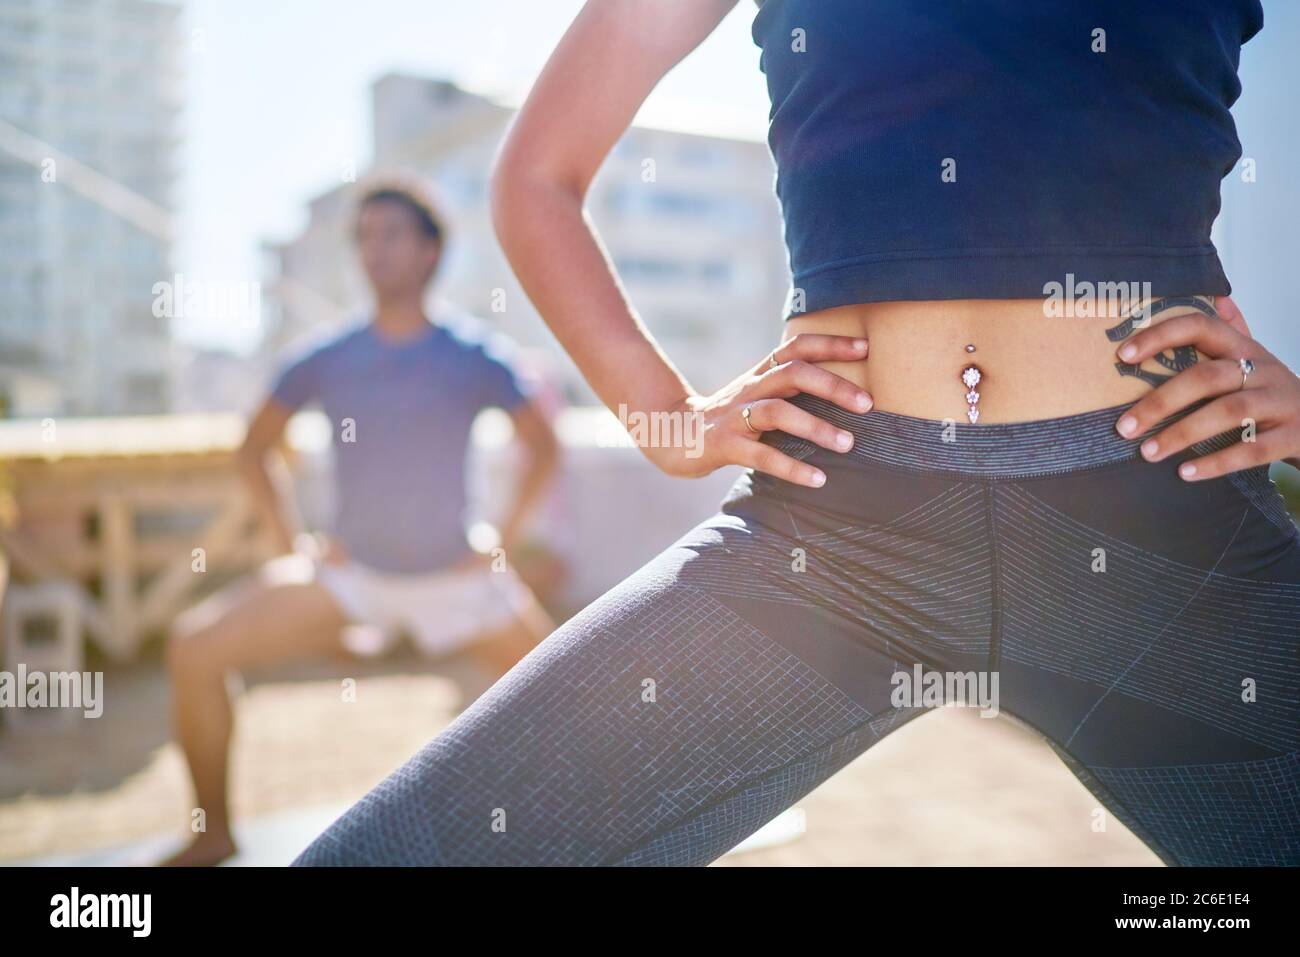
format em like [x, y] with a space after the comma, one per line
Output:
[401, 393]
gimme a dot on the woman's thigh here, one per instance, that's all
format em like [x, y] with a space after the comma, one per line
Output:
[663, 724]
[1150, 628]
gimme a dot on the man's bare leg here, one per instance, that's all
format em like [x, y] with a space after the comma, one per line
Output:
[262, 625]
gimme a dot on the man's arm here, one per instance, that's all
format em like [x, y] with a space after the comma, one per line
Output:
[271, 494]
[542, 449]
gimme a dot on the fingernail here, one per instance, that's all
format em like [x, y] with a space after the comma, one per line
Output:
[864, 401]
[843, 440]
[819, 479]
[1127, 425]
[1187, 470]
[859, 344]
[1128, 351]
[1149, 449]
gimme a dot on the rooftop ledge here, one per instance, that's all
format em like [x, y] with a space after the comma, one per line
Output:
[136, 436]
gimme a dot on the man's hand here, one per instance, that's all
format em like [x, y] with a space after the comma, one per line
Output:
[474, 561]
[269, 490]
[533, 430]
[320, 547]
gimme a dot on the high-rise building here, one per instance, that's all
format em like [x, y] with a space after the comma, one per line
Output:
[690, 222]
[89, 98]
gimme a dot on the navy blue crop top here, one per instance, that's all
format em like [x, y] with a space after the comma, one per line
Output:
[981, 149]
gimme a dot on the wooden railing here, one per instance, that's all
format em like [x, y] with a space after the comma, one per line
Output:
[135, 515]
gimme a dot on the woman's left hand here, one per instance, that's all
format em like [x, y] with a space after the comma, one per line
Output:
[1269, 398]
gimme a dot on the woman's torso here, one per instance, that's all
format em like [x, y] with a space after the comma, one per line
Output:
[1035, 363]
[943, 164]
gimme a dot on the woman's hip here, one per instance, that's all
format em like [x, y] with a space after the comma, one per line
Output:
[1068, 473]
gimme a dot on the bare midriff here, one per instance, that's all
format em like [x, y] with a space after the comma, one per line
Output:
[1034, 363]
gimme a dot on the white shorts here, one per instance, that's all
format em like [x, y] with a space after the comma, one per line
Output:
[442, 611]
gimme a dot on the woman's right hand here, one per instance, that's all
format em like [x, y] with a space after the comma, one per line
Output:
[718, 420]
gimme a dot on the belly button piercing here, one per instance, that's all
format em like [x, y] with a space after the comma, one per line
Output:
[971, 377]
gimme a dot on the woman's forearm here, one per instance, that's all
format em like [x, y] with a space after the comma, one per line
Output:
[609, 60]
[561, 264]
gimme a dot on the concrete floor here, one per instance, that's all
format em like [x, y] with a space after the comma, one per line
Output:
[951, 789]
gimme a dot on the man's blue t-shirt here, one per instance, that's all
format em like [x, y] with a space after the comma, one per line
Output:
[401, 416]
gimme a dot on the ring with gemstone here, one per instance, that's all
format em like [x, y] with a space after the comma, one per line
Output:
[1247, 367]
[744, 414]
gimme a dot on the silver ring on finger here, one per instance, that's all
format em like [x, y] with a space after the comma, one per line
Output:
[771, 360]
[1247, 367]
[744, 414]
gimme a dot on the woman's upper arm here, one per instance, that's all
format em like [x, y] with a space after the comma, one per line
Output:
[610, 58]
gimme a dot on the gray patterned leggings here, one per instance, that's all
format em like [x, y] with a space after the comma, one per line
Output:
[1148, 627]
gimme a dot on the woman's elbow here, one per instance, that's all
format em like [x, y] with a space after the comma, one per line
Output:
[508, 185]
[520, 187]
[500, 184]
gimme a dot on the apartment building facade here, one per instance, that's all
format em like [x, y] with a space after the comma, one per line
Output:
[89, 95]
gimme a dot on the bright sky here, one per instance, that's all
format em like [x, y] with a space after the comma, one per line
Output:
[278, 95]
